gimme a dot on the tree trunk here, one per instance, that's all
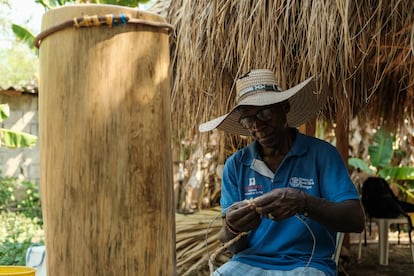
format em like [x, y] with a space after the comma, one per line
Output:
[342, 142]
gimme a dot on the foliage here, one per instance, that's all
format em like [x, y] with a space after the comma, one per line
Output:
[20, 221]
[13, 139]
[18, 233]
[30, 206]
[18, 66]
[380, 156]
[6, 192]
[24, 35]
[381, 153]
[27, 204]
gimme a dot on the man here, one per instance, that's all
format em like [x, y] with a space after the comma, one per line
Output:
[289, 192]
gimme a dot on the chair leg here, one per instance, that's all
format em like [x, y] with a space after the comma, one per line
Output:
[360, 245]
[398, 235]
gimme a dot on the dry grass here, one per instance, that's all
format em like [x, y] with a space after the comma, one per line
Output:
[196, 240]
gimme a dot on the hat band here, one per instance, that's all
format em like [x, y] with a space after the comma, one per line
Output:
[266, 87]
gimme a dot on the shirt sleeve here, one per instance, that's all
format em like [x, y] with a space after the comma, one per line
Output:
[335, 182]
[229, 188]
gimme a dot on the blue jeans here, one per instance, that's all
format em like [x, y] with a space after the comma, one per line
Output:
[234, 268]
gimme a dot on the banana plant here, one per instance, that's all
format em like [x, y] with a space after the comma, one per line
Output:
[380, 156]
[13, 139]
[24, 35]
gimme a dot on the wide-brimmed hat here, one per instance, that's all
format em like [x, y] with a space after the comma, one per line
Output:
[260, 88]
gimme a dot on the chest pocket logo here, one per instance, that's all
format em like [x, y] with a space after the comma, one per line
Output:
[300, 182]
[252, 189]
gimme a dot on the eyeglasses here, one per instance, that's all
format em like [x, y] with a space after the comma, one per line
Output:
[263, 115]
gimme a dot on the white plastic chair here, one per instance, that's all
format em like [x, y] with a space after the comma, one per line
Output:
[383, 245]
[339, 241]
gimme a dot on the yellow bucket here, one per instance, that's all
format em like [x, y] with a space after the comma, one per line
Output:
[17, 271]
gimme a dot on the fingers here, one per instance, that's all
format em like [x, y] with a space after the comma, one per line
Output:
[279, 203]
[246, 222]
[265, 199]
[242, 216]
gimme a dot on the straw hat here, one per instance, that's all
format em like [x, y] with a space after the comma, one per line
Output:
[259, 88]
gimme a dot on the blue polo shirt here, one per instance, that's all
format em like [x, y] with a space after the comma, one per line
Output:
[313, 166]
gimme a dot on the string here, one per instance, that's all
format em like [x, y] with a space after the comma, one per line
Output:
[314, 242]
[211, 258]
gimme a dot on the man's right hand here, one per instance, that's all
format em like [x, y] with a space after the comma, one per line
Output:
[242, 216]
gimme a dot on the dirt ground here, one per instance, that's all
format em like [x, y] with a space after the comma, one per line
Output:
[400, 259]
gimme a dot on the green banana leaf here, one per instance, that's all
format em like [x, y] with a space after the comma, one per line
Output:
[397, 173]
[24, 35]
[359, 164]
[16, 139]
[13, 139]
[380, 152]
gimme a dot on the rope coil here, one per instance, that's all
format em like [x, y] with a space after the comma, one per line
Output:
[96, 21]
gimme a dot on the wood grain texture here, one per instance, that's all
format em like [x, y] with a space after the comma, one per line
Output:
[106, 169]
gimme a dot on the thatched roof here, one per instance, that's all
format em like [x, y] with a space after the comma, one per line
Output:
[361, 51]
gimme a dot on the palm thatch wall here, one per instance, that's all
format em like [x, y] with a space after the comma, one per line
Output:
[362, 52]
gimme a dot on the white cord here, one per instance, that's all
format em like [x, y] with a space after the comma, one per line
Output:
[314, 242]
[297, 216]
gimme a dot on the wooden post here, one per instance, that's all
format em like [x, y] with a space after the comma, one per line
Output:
[106, 168]
[342, 141]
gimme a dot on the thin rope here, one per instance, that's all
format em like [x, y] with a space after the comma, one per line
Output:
[98, 20]
[314, 243]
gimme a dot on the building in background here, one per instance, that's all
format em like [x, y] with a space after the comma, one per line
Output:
[23, 163]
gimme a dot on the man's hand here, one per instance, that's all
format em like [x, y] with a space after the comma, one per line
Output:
[280, 203]
[242, 216]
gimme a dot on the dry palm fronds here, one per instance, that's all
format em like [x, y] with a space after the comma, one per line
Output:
[196, 240]
[361, 51]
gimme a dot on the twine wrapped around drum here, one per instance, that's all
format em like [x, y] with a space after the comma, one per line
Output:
[106, 169]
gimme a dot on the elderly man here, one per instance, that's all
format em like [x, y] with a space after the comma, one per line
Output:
[288, 192]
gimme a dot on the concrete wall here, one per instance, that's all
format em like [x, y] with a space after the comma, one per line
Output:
[23, 163]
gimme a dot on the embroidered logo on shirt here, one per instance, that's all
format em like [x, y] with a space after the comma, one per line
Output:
[253, 189]
[252, 181]
[299, 182]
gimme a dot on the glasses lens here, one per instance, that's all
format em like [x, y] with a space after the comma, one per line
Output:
[264, 115]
